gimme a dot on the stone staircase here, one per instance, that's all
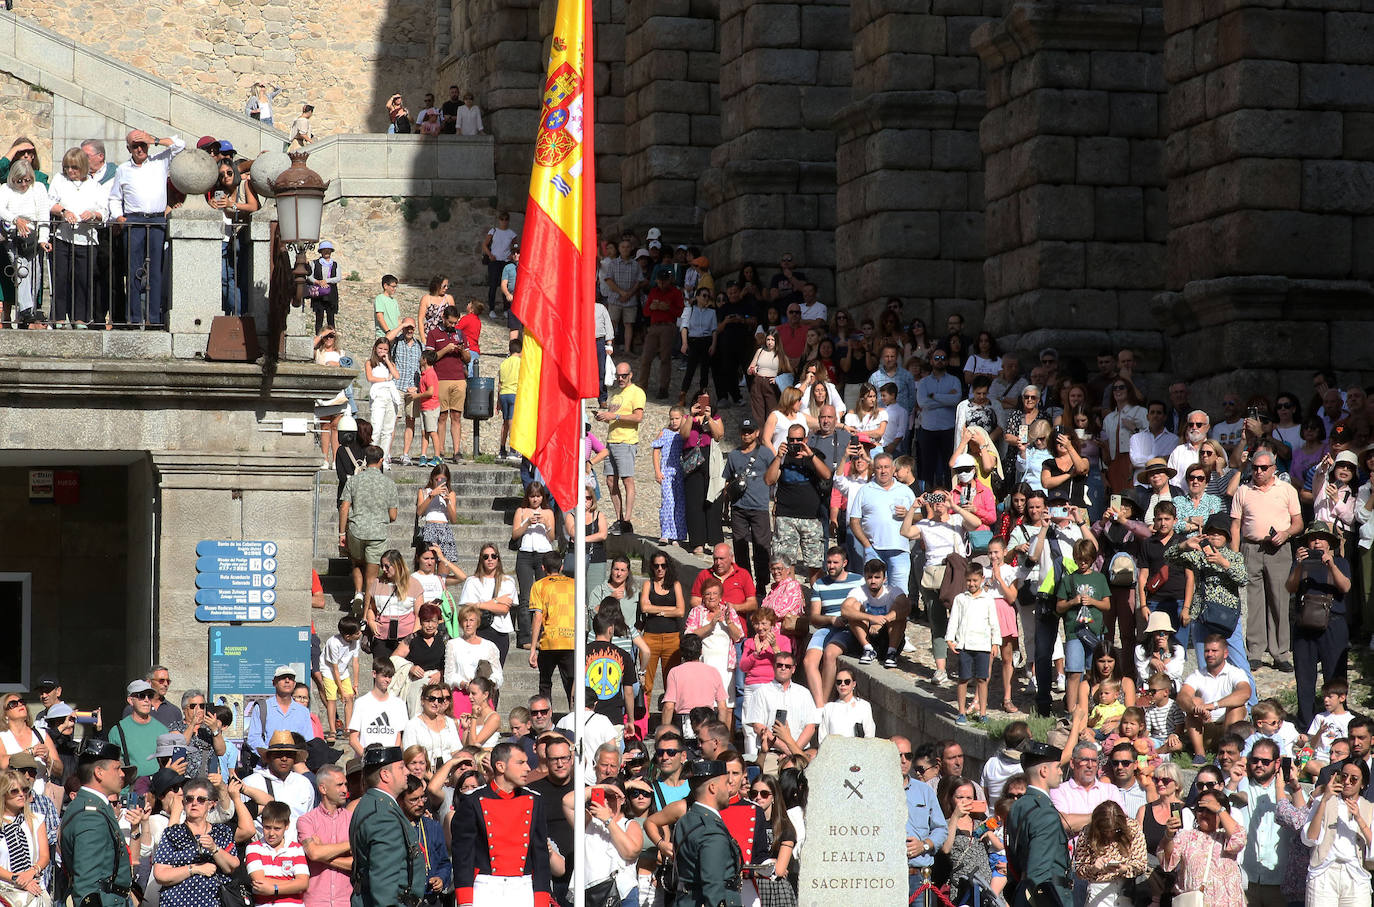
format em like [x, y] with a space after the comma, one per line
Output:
[487, 498]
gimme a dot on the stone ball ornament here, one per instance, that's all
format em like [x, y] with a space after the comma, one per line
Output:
[265, 170]
[193, 172]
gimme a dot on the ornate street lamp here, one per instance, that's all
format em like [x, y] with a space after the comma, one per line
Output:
[300, 208]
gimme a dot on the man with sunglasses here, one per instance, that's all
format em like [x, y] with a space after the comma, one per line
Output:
[136, 733]
[926, 828]
[1193, 431]
[1265, 856]
[1265, 514]
[1123, 768]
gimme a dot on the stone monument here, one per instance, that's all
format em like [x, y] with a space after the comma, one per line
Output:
[855, 826]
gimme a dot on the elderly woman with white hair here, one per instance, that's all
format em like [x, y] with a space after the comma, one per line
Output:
[80, 205]
[24, 212]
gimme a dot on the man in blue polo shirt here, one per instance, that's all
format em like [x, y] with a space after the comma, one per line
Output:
[827, 598]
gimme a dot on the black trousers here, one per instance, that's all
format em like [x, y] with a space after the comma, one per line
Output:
[932, 460]
[1330, 648]
[752, 526]
[494, 269]
[73, 281]
[705, 522]
[733, 352]
[562, 659]
[698, 357]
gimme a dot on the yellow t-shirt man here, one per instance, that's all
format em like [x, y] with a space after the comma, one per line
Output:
[553, 597]
[623, 404]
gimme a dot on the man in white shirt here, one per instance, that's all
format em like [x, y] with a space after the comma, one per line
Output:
[782, 715]
[1231, 428]
[1155, 440]
[813, 311]
[1196, 425]
[1215, 693]
[277, 779]
[138, 199]
[378, 717]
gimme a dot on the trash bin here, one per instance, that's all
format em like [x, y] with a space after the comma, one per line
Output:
[481, 401]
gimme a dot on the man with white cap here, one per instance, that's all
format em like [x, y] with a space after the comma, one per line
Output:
[279, 712]
[136, 734]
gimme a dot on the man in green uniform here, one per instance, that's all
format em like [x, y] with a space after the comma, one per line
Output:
[708, 859]
[93, 852]
[388, 867]
[1037, 845]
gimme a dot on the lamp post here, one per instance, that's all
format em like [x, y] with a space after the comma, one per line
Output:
[300, 208]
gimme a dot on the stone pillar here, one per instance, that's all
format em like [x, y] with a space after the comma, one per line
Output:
[909, 199]
[196, 233]
[609, 19]
[225, 496]
[1075, 216]
[784, 74]
[1271, 193]
[672, 112]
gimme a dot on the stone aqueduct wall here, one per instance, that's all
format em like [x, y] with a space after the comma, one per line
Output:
[1064, 172]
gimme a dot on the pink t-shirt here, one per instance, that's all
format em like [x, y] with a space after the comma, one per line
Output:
[429, 381]
[691, 684]
[758, 668]
[471, 326]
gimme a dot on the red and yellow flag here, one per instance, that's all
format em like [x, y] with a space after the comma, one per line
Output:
[555, 291]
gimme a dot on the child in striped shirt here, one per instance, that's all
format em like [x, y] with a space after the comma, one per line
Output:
[278, 869]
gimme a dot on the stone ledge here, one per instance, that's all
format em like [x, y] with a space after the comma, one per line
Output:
[1209, 303]
[910, 110]
[46, 375]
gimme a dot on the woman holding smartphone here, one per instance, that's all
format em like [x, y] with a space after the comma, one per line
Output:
[1110, 851]
[533, 532]
[436, 506]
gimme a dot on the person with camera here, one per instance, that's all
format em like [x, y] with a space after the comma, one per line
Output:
[798, 472]
[1321, 581]
[1203, 858]
[1339, 833]
[942, 528]
[745, 468]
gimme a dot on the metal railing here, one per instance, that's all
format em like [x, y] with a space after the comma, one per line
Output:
[105, 276]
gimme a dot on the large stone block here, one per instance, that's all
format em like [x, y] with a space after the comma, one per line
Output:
[895, 72]
[1345, 187]
[1124, 265]
[959, 32]
[957, 73]
[1147, 162]
[961, 235]
[1002, 220]
[1337, 86]
[901, 34]
[1358, 137]
[1119, 214]
[1186, 103]
[1350, 37]
[898, 149]
[1135, 115]
[916, 190]
[1104, 161]
[900, 234]
[668, 65]
[671, 32]
[1271, 34]
[703, 66]
[773, 25]
[1056, 212]
[1259, 183]
[825, 26]
[1178, 57]
[820, 103]
[1291, 243]
[783, 66]
[1115, 70]
[1070, 112]
[955, 149]
[1281, 133]
[1271, 84]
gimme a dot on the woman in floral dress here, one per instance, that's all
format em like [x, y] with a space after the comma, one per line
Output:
[1207, 853]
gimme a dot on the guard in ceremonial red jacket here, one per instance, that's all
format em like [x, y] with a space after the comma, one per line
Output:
[500, 839]
[746, 822]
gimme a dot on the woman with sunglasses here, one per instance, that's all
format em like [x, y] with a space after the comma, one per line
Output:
[596, 530]
[532, 530]
[20, 736]
[193, 860]
[1222, 478]
[662, 607]
[967, 849]
[1196, 504]
[846, 715]
[781, 837]
[1203, 858]
[24, 850]
[1164, 790]
[1020, 420]
[392, 604]
[433, 730]
[1313, 449]
[493, 592]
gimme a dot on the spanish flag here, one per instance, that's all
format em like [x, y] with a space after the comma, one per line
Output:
[555, 293]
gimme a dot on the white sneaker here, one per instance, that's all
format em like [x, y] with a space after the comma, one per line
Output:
[1018, 659]
[868, 655]
[908, 647]
[941, 679]
[1061, 684]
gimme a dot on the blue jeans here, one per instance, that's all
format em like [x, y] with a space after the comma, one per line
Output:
[1235, 653]
[230, 298]
[898, 563]
[145, 236]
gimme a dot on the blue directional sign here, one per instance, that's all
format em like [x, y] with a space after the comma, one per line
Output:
[236, 580]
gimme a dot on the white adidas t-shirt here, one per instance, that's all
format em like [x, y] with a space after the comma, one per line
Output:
[378, 720]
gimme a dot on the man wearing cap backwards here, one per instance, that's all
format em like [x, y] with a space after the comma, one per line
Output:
[93, 853]
[276, 779]
[279, 713]
[500, 840]
[708, 859]
[1037, 846]
[388, 867]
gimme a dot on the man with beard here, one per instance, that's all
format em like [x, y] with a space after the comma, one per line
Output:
[1193, 431]
[558, 760]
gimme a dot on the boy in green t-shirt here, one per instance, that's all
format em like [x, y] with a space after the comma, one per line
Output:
[507, 382]
[1083, 598]
[387, 312]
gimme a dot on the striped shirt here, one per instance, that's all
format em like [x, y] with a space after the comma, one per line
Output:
[280, 865]
[831, 593]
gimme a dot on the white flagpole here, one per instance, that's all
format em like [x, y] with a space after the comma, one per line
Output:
[579, 878]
